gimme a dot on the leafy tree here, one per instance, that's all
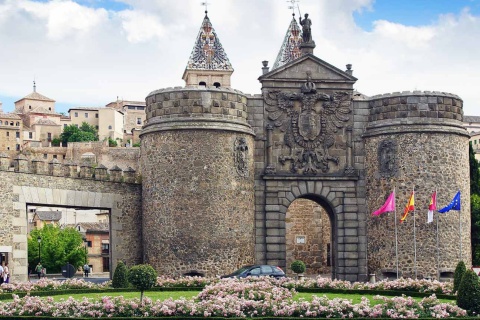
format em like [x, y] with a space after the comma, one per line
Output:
[120, 276]
[56, 142]
[136, 144]
[58, 246]
[475, 206]
[298, 266]
[468, 295]
[85, 132]
[142, 277]
[475, 213]
[112, 143]
[474, 172]
[459, 272]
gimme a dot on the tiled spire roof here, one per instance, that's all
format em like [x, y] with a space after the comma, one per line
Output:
[290, 49]
[208, 53]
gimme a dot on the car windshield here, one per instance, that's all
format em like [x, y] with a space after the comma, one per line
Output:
[241, 270]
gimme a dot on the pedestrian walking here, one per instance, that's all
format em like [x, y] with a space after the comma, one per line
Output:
[39, 269]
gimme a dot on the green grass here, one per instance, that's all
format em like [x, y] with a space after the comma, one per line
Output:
[163, 295]
[356, 298]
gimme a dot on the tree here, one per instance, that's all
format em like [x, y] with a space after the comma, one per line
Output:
[58, 246]
[298, 266]
[459, 272]
[468, 296]
[142, 277]
[85, 132]
[474, 172]
[475, 206]
[475, 213]
[120, 276]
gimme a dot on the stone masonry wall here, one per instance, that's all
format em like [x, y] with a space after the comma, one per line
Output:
[198, 186]
[307, 219]
[198, 211]
[428, 151]
[20, 189]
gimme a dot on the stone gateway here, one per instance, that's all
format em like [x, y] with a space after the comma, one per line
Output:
[293, 172]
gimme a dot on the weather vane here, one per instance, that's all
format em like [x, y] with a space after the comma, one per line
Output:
[205, 4]
[293, 2]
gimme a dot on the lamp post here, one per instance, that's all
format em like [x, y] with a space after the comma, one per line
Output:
[39, 239]
[85, 242]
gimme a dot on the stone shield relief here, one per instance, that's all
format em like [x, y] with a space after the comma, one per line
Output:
[241, 156]
[387, 162]
[309, 122]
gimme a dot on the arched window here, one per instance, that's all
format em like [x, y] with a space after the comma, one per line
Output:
[109, 127]
[202, 83]
[17, 124]
[1, 122]
[11, 123]
[216, 84]
[30, 107]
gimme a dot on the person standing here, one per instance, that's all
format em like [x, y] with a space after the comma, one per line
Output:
[6, 274]
[38, 269]
[1, 274]
[86, 270]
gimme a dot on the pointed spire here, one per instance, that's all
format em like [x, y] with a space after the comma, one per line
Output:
[34, 86]
[290, 49]
[208, 53]
[208, 63]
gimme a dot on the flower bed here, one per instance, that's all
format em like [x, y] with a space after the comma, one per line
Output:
[257, 297]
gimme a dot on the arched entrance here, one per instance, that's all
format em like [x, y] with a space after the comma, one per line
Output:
[309, 236]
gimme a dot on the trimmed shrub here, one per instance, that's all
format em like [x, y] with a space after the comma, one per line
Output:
[459, 272]
[120, 276]
[142, 277]
[468, 296]
[298, 266]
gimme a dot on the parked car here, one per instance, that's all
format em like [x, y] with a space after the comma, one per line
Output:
[257, 271]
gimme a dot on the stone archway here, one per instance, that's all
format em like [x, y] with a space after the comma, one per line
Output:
[308, 237]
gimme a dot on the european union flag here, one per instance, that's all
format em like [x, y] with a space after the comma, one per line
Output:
[454, 205]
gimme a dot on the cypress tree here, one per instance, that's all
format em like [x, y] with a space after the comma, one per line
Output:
[120, 276]
[459, 272]
[468, 296]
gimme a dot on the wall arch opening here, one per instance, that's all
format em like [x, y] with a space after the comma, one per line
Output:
[309, 236]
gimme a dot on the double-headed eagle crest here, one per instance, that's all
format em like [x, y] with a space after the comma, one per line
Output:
[309, 121]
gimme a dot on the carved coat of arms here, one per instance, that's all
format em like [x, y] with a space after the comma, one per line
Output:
[309, 121]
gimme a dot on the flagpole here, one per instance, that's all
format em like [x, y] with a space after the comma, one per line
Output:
[396, 236]
[414, 237]
[460, 232]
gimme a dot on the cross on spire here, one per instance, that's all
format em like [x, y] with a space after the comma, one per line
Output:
[292, 6]
[205, 4]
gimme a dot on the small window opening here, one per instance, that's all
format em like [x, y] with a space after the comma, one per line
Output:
[216, 84]
[202, 83]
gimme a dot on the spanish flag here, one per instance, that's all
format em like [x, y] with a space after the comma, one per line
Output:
[409, 207]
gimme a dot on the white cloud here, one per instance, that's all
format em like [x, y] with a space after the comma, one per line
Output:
[63, 18]
[140, 26]
[89, 56]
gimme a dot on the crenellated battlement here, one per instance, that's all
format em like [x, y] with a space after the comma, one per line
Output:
[87, 170]
[416, 105]
[194, 101]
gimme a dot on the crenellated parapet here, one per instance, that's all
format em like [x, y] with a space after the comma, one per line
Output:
[182, 108]
[413, 111]
[68, 169]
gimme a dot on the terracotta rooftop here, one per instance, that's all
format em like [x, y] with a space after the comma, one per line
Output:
[471, 119]
[9, 116]
[36, 96]
[95, 226]
[49, 215]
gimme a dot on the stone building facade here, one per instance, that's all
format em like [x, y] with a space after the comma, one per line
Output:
[225, 175]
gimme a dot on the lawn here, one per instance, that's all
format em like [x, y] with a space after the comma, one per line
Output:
[163, 295]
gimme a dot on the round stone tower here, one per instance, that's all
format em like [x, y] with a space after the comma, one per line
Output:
[197, 167]
[416, 142]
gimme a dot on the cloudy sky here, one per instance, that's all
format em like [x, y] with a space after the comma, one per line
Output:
[89, 52]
